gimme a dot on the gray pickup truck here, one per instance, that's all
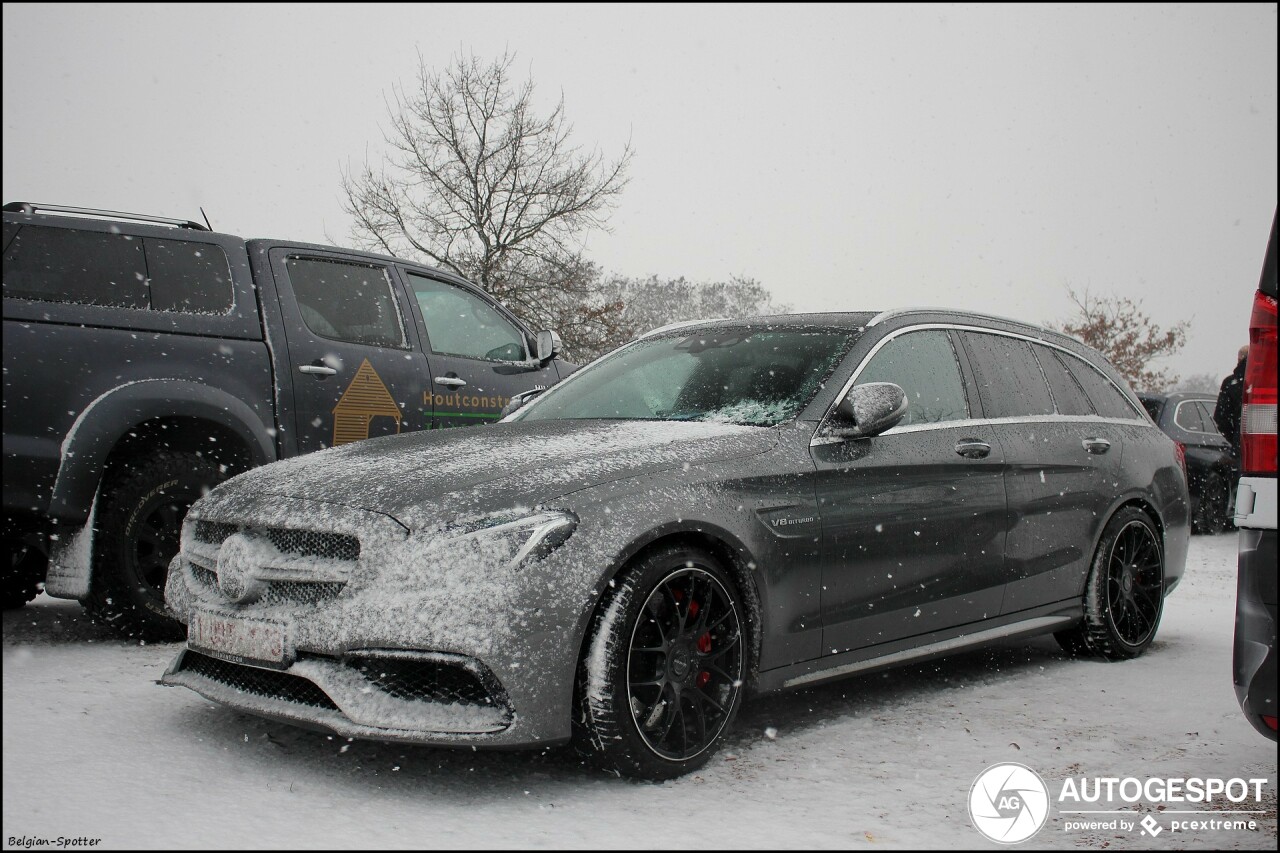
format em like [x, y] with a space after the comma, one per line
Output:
[147, 359]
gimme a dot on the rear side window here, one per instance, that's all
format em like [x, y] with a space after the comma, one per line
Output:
[1068, 396]
[1106, 398]
[924, 365]
[1206, 417]
[1010, 381]
[346, 301]
[1188, 417]
[190, 277]
[84, 267]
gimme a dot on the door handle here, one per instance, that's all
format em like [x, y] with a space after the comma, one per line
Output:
[317, 370]
[1096, 446]
[450, 381]
[973, 449]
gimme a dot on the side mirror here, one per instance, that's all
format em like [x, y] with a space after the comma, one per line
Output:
[549, 346]
[869, 409]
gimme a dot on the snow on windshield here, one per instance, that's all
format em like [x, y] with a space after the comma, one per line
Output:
[746, 375]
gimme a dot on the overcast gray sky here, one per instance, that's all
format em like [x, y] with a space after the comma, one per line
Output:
[849, 157]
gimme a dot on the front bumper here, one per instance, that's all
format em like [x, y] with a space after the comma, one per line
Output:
[1254, 659]
[401, 698]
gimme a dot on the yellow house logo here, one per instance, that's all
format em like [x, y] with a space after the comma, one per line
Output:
[366, 398]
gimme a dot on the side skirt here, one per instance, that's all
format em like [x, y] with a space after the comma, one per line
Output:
[1027, 623]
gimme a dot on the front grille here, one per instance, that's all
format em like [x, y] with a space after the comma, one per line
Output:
[301, 592]
[214, 532]
[279, 592]
[426, 681]
[259, 682]
[206, 577]
[311, 543]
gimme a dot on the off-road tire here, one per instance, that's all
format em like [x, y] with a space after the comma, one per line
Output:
[1210, 513]
[1121, 618]
[136, 530]
[606, 730]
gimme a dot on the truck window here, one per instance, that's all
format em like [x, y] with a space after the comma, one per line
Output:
[84, 267]
[190, 277]
[460, 323]
[346, 301]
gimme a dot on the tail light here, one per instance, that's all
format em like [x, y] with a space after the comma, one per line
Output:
[1180, 453]
[1258, 414]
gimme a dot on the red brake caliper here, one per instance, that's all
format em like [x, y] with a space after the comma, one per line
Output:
[704, 646]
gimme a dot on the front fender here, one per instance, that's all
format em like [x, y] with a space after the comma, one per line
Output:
[110, 417]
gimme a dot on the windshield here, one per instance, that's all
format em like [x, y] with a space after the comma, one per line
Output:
[759, 377]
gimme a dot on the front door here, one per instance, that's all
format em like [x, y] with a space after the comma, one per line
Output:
[913, 521]
[479, 356]
[354, 364]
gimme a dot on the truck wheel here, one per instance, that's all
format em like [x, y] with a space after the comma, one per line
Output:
[138, 522]
[27, 564]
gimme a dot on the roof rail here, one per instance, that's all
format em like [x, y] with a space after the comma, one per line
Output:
[931, 309]
[30, 207]
[680, 325]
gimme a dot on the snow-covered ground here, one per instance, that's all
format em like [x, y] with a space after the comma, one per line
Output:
[94, 748]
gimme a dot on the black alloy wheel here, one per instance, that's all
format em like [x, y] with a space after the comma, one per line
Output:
[684, 665]
[1124, 593]
[664, 669]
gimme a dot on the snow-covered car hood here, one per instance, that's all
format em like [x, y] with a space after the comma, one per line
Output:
[424, 478]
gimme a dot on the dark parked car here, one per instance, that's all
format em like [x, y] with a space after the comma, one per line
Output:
[146, 359]
[1211, 468]
[711, 509]
[1255, 640]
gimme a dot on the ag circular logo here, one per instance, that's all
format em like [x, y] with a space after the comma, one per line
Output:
[1008, 803]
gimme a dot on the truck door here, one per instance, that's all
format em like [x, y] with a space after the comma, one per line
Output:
[478, 354]
[355, 363]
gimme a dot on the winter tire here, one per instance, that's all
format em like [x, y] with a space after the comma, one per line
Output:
[1210, 512]
[136, 530]
[1124, 595]
[663, 673]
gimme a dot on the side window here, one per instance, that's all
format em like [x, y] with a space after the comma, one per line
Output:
[1068, 396]
[1188, 417]
[84, 267]
[346, 301]
[460, 323]
[1206, 417]
[189, 277]
[924, 365]
[1106, 398]
[1010, 381]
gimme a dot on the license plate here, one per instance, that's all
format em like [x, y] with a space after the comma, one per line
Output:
[237, 639]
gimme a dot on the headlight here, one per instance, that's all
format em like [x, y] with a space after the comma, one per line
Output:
[515, 542]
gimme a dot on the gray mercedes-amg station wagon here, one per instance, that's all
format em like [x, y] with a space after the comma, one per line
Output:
[716, 508]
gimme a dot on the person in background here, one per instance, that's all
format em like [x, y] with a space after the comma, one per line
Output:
[1226, 415]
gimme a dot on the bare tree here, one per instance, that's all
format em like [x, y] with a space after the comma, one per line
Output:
[1205, 383]
[477, 182]
[647, 303]
[1117, 327]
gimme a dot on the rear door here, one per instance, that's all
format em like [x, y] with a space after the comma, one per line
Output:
[1062, 465]
[479, 353]
[913, 519]
[355, 365]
